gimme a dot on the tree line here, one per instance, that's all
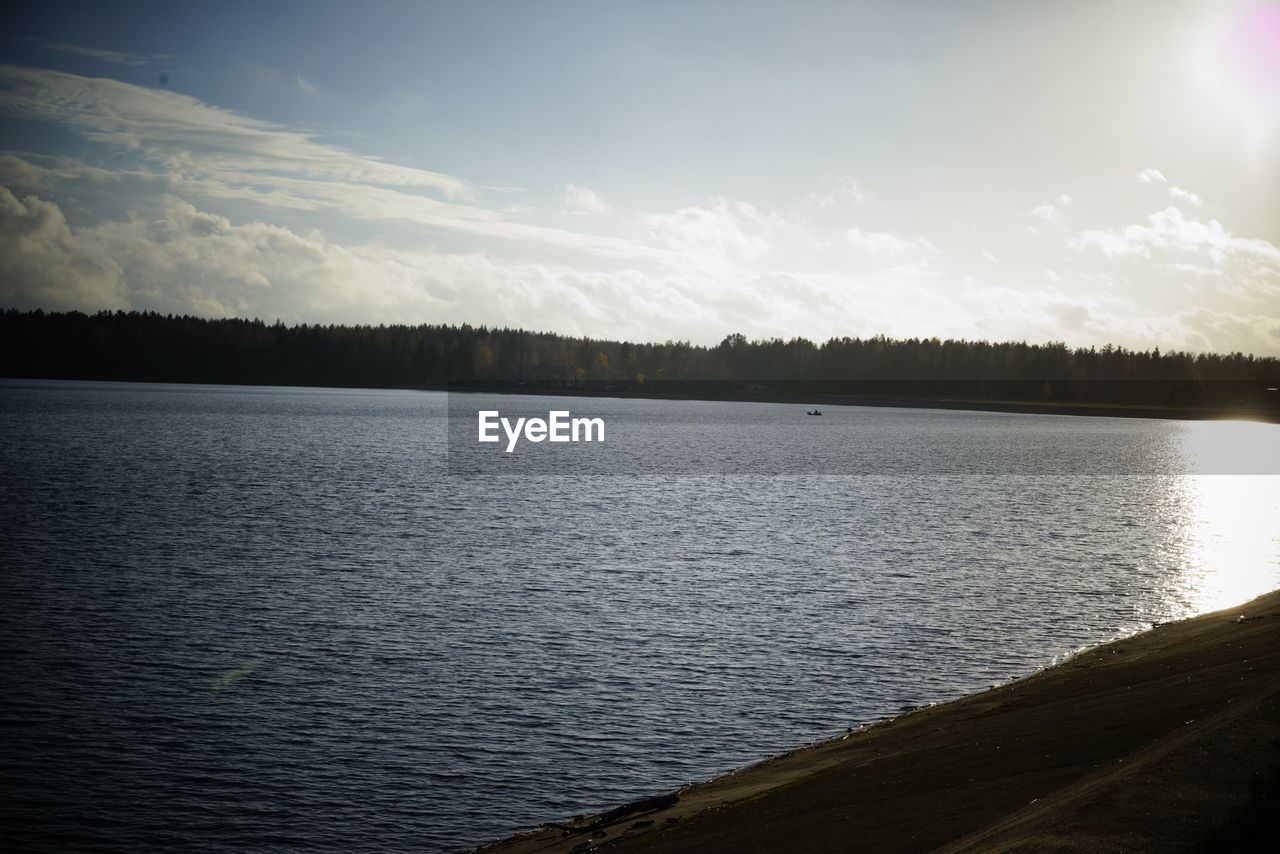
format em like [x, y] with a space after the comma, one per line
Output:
[146, 346]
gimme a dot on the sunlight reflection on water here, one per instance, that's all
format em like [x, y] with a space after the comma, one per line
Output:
[1230, 519]
[1230, 539]
[1231, 447]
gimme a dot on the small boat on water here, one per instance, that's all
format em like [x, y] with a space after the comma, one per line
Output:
[814, 412]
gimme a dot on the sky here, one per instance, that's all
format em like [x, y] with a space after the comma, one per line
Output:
[1090, 172]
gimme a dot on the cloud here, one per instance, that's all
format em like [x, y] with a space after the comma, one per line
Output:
[1048, 213]
[280, 80]
[44, 265]
[1225, 331]
[1051, 213]
[191, 139]
[842, 190]
[724, 231]
[209, 154]
[186, 260]
[1170, 231]
[118, 57]
[1185, 195]
[182, 206]
[191, 261]
[54, 173]
[1192, 283]
[1151, 176]
[583, 200]
[16, 171]
[891, 247]
[1086, 317]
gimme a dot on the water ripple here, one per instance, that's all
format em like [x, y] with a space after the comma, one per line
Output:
[265, 618]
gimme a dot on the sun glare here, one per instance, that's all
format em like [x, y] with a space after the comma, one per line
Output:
[1238, 64]
[1231, 539]
[1230, 447]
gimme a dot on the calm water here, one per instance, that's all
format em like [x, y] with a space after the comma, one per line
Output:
[270, 618]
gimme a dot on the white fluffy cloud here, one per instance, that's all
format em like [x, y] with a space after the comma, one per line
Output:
[44, 265]
[724, 231]
[583, 200]
[188, 260]
[1170, 231]
[1048, 213]
[1152, 176]
[1206, 287]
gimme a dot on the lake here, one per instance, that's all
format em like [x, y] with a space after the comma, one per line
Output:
[315, 619]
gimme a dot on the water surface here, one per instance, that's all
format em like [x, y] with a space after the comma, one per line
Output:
[271, 618]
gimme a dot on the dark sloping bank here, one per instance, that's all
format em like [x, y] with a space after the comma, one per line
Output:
[1165, 741]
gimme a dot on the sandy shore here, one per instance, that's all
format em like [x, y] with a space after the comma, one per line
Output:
[1165, 741]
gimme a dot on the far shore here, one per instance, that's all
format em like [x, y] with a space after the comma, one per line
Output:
[1166, 741]
[1269, 415]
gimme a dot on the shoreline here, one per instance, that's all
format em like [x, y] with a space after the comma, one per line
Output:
[1016, 407]
[1165, 740]
[1269, 415]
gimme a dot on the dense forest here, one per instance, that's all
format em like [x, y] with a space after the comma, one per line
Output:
[152, 347]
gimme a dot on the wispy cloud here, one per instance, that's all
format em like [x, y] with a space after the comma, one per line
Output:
[842, 191]
[118, 57]
[190, 138]
[892, 248]
[1151, 176]
[307, 87]
[209, 153]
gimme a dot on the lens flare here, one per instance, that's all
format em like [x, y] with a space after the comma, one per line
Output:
[1239, 65]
